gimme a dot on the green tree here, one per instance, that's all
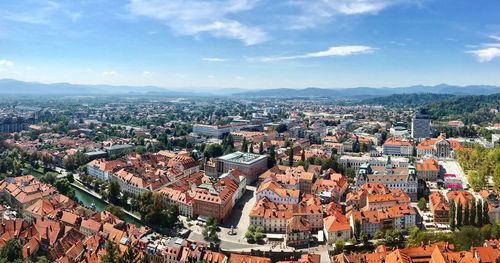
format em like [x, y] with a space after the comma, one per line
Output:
[472, 212]
[422, 204]
[271, 160]
[357, 228]
[129, 256]
[459, 214]
[477, 179]
[114, 191]
[112, 254]
[213, 150]
[496, 177]
[115, 210]
[261, 148]
[452, 215]
[486, 216]
[339, 245]
[303, 156]
[479, 213]
[290, 157]
[210, 230]
[65, 188]
[244, 145]
[467, 236]
[485, 231]
[495, 231]
[70, 177]
[49, 178]
[363, 237]
[466, 214]
[12, 251]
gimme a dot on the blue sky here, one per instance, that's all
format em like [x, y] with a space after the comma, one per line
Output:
[251, 43]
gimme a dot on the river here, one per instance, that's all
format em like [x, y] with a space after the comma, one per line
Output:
[87, 200]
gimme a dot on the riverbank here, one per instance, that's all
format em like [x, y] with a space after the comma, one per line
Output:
[88, 197]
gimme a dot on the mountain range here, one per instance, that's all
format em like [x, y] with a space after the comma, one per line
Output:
[365, 92]
[16, 87]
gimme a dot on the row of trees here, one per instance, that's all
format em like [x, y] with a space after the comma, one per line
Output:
[463, 239]
[464, 215]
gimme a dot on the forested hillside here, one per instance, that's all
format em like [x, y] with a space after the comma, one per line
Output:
[471, 109]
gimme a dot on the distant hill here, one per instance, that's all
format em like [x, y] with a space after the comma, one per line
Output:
[471, 109]
[364, 92]
[16, 87]
[407, 100]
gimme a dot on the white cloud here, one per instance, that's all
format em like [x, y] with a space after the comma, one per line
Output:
[109, 73]
[338, 51]
[145, 73]
[211, 76]
[195, 17]
[4, 63]
[495, 37]
[315, 12]
[214, 59]
[239, 78]
[485, 54]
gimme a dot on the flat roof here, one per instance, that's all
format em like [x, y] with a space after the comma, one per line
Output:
[119, 146]
[241, 157]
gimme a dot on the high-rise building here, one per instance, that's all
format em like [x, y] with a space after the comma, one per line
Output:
[420, 126]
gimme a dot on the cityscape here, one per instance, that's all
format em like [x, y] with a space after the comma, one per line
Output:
[249, 131]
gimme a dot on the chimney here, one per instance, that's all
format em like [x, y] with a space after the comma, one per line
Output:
[28, 250]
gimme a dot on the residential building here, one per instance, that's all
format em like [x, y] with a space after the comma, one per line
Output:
[277, 193]
[101, 168]
[298, 232]
[402, 217]
[272, 217]
[23, 191]
[311, 209]
[440, 208]
[336, 227]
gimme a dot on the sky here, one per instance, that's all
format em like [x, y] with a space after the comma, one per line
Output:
[251, 44]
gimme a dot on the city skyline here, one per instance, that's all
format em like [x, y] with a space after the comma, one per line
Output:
[251, 44]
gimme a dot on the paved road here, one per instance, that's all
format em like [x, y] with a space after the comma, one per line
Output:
[226, 245]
